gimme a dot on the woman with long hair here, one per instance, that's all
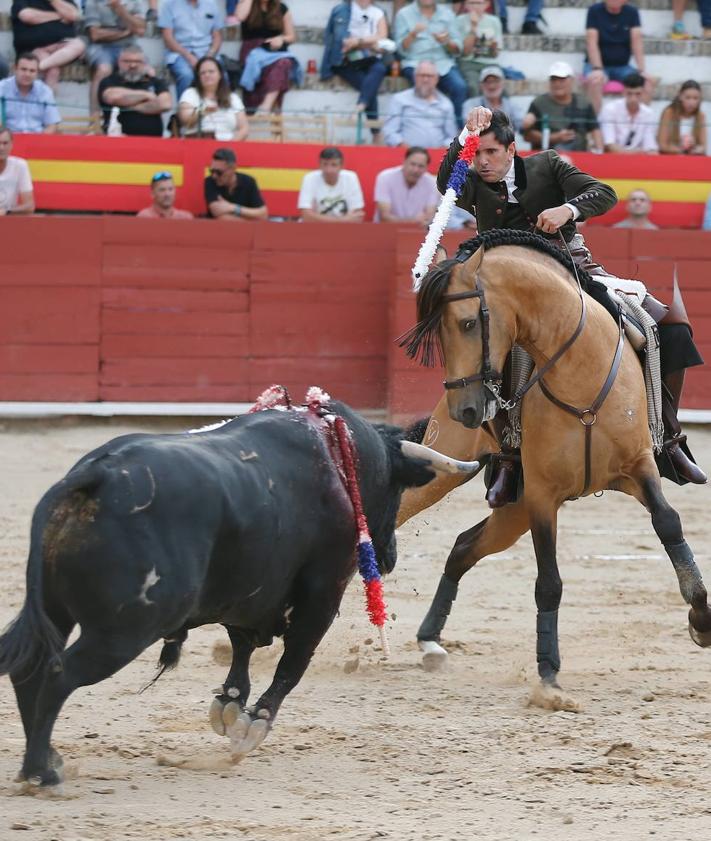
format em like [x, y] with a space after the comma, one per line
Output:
[209, 108]
[682, 126]
[266, 25]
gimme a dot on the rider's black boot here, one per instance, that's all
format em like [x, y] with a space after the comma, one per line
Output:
[676, 452]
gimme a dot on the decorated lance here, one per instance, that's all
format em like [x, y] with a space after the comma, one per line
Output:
[277, 397]
[444, 211]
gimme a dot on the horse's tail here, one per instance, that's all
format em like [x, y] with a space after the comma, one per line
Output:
[32, 637]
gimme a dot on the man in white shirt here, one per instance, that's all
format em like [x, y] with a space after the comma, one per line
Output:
[331, 193]
[628, 125]
[16, 195]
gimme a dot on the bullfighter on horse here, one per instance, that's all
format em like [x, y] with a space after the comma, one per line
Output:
[543, 193]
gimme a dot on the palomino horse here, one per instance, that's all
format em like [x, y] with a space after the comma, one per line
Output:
[506, 288]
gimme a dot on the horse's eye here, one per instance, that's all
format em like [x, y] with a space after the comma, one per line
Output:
[468, 324]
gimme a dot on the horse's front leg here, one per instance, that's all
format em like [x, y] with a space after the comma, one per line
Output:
[667, 525]
[494, 534]
[549, 589]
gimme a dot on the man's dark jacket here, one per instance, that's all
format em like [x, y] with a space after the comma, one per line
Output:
[543, 181]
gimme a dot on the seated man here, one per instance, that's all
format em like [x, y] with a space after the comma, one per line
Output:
[140, 98]
[407, 193]
[232, 196]
[111, 26]
[16, 193]
[568, 116]
[420, 116]
[427, 31]
[29, 103]
[47, 28]
[190, 29]
[493, 97]
[627, 124]
[639, 206]
[331, 193]
[163, 204]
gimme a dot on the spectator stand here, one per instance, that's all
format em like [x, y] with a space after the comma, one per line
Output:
[672, 61]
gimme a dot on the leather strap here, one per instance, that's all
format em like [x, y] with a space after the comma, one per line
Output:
[588, 416]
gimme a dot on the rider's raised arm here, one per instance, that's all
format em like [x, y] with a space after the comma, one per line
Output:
[468, 195]
[588, 195]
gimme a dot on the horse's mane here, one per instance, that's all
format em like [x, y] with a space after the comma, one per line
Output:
[423, 339]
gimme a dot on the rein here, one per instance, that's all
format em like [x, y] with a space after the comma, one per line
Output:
[492, 379]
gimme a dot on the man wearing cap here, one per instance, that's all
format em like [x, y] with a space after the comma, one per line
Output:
[163, 204]
[491, 85]
[568, 116]
[543, 193]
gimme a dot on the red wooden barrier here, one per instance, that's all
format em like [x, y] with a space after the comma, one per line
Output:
[111, 308]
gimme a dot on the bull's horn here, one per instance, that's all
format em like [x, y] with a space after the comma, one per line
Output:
[438, 461]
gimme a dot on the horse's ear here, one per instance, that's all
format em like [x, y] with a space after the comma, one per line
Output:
[472, 264]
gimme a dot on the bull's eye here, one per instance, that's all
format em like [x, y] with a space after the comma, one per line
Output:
[467, 324]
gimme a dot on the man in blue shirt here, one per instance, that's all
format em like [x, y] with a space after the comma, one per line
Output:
[420, 116]
[426, 31]
[26, 103]
[613, 36]
[191, 29]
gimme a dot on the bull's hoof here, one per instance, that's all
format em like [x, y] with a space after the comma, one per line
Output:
[247, 733]
[45, 779]
[701, 638]
[434, 657]
[216, 721]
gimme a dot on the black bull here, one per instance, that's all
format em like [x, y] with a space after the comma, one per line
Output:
[247, 525]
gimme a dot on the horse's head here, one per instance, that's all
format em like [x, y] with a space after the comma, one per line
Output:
[455, 321]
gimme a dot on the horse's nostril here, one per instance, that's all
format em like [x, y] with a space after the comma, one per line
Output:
[469, 417]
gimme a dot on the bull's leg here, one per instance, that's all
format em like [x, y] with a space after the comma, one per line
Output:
[92, 658]
[315, 607]
[229, 704]
[667, 525]
[494, 534]
[27, 687]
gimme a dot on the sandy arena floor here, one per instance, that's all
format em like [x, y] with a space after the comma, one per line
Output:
[370, 749]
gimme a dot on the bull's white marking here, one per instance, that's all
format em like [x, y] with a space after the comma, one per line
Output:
[287, 615]
[251, 456]
[137, 508]
[209, 427]
[254, 592]
[151, 579]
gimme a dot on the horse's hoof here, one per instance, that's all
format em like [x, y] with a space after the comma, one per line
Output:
[46, 779]
[434, 657]
[701, 638]
[254, 735]
[216, 719]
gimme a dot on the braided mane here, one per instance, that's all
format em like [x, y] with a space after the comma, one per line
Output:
[423, 339]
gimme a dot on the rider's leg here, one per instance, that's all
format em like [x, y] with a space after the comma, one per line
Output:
[506, 467]
[674, 438]
[677, 352]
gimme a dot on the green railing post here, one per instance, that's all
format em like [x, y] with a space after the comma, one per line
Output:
[2, 111]
[359, 129]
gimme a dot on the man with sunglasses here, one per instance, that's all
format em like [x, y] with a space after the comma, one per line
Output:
[232, 196]
[163, 205]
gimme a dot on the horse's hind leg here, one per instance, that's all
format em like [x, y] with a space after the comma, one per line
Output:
[667, 525]
[494, 534]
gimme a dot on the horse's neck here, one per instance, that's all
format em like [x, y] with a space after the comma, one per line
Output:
[547, 315]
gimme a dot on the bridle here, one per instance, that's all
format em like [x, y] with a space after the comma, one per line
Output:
[493, 379]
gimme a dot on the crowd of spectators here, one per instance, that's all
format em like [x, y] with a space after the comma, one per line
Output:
[449, 52]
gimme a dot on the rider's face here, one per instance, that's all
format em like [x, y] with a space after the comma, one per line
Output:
[493, 160]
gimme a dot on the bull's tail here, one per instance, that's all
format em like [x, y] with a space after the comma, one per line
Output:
[32, 637]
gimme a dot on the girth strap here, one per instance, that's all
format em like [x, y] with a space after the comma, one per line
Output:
[588, 416]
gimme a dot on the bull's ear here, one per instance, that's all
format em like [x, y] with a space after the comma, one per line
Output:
[410, 472]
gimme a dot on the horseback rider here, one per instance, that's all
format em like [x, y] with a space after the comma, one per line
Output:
[544, 194]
